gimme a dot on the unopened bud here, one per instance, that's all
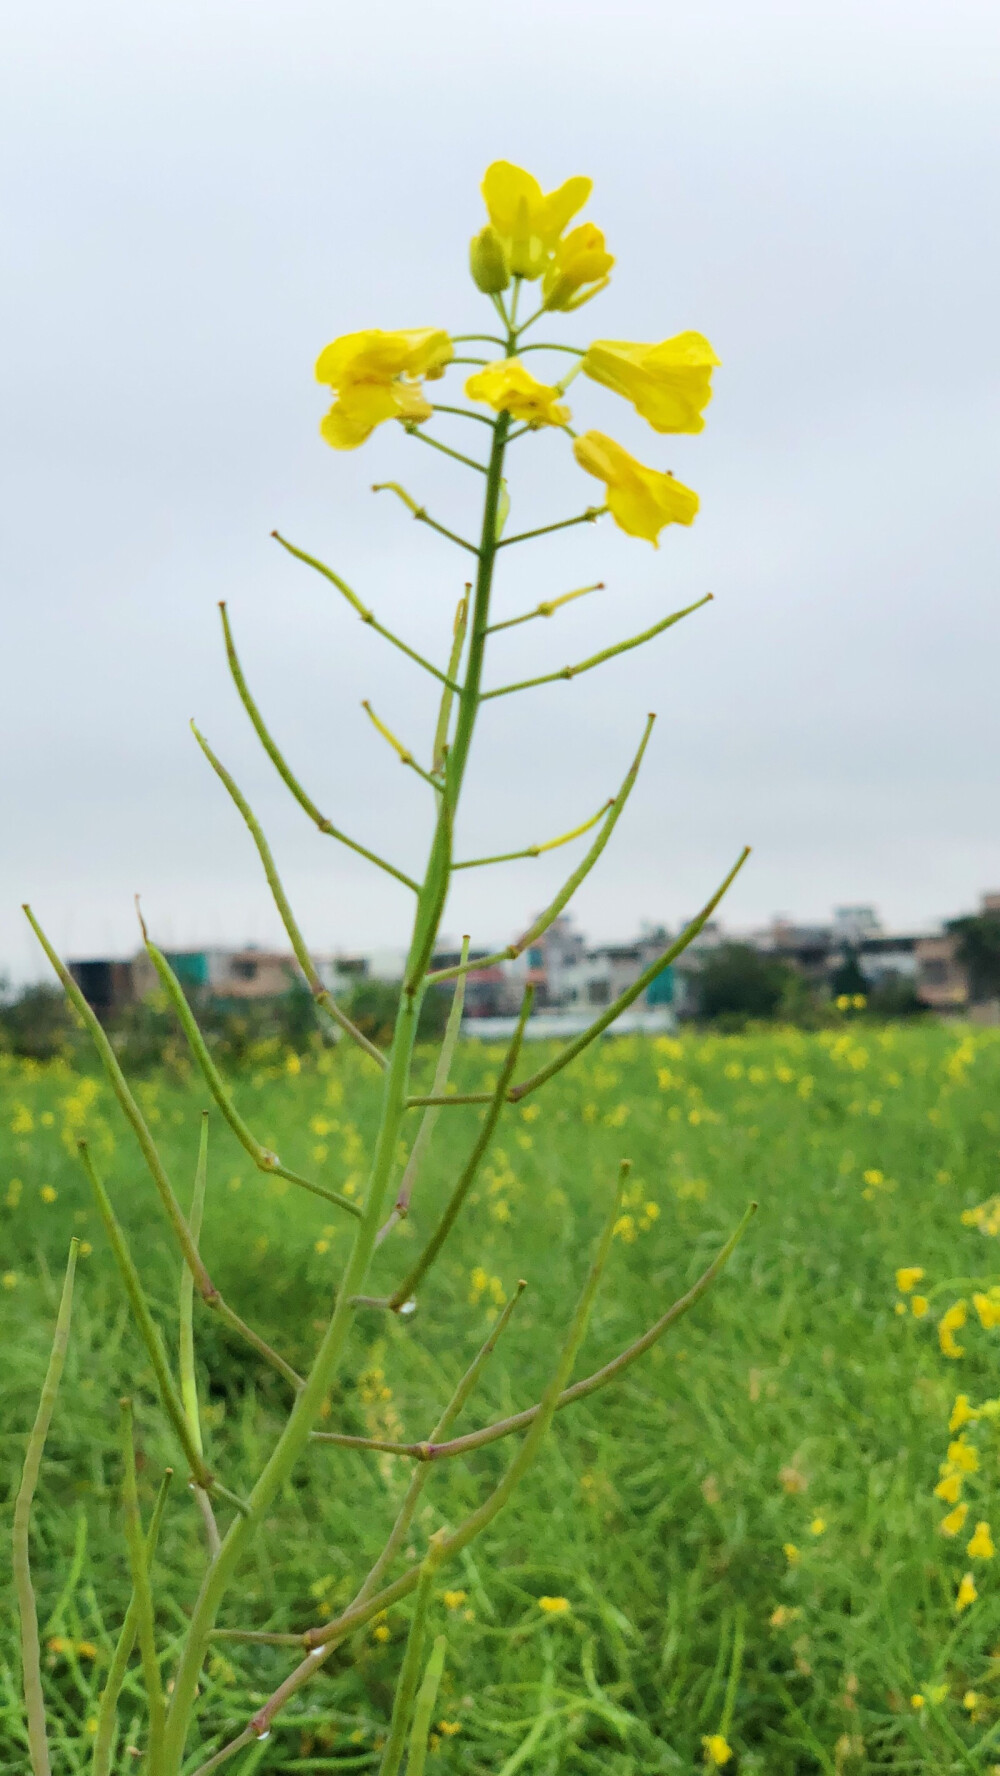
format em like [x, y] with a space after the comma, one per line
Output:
[487, 262]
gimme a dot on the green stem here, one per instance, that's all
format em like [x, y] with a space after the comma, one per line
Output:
[31, 1661]
[590, 516]
[547, 608]
[414, 431]
[406, 1684]
[143, 1596]
[106, 1713]
[424, 1710]
[608, 653]
[463, 413]
[429, 1119]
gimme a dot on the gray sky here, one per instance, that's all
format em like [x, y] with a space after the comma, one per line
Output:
[197, 197]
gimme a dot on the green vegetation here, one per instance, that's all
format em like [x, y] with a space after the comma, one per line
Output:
[744, 1527]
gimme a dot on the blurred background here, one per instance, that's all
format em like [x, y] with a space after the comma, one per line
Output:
[198, 197]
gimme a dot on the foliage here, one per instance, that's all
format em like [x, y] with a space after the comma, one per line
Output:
[737, 982]
[978, 937]
[661, 1508]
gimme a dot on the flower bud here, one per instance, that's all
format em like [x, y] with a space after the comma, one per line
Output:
[487, 262]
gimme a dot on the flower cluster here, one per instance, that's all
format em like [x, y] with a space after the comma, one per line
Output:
[377, 375]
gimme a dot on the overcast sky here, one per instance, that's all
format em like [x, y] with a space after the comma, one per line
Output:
[198, 196]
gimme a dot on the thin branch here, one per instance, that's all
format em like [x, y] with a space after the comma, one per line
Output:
[624, 1000]
[410, 1282]
[423, 1713]
[305, 801]
[31, 1661]
[608, 653]
[147, 1147]
[143, 1596]
[547, 347]
[366, 615]
[590, 516]
[547, 608]
[433, 1450]
[323, 999]
[106, 1713]
[427, 1122]
[463, 413]
[477, 339]
[421, 515]
[263, 1158]
[439, 753]
[569, 887]
[415, 431]
[402, 752]
[536, 850]
[185, 1342]
[409, 1675]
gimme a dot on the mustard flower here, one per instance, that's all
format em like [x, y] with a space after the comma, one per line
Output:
[962, 1455]
[717, 1749]
[668, 384]
[449, 1728]
[949, 1489]
[579, 269]
[967, 1593]
[783, 1616]
[10, 1279]
[919, 1305]
[981, 1545]
[818, 1526]
[641, 501]
[376, 376]
[508, 387]
[988, 1309]
[47, 1194]
[952, 1524]
[528, 223]
[917, 1701]
[791, 1553]
[454, 1600]
[962, 1413]
[554, 1606]
[970, 1700]
[948, 1325]
[908, 1277]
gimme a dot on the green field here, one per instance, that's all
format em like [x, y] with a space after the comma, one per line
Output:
[744, 1527]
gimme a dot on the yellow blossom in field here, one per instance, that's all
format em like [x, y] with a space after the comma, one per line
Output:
[949, 1489]
[376, 376]
[917, 1700]
[874, 1177]
[579, 268]
[985, 1217]
[47, 1194]
[321, 1246]
[642, 501]
[508, 387]
[382, 1633]
[919, 1305]
[970, 1700]
[981, 1546]
[717, 1749]
[908, 1277]
[783, 1616]
[624, 1229]
[962, 1413]
[527, 222]
[792, 1480]
[449, 1728]
[554, 1606]
[14, 1190]
[454, 1600]
[953, 1523]
[791, 1553]
[988, 1309]
[10, 1279]
[22, 1122]
[967, 1593]
[948, 1325]
[668, 384]
[900, 1308]
[937, 1693]
[963, 1456]
[818, 1526]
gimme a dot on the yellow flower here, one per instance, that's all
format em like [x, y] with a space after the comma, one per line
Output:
[376, 376]
[981, 1545]
[449, 1728]
[970, 1700]
[919, 1305]
[454, 1600]
[668, 384]
[962, 1413]
[47, 1194]
[948, 1325]
[508, 387]
[967, 1594]
[900, 1307]
[717, 1750]
[988, 1309]
[782, 1616]
[949, 1489]
[916, 1700]
[908, 1278]
[9, 1279]
[527, 222]
[818, 1526]
[554, 1606]
[950, 1525]
[791, 1553]
[382, 1633]
[937, 1693]
[963, 1456]
[641, 501]
[579, 261]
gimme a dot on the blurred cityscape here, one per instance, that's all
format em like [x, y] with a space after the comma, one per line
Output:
[783, 967]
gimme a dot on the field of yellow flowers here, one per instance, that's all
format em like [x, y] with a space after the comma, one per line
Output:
[770, 1547]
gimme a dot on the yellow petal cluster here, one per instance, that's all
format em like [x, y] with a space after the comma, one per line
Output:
[376, 376]
[718, 1751]
[950, 1323]
[642, 501]
[528, 223]
[954, 1522]
[981, 1546]
[967, 1594]
[579, 268]
[988, 1308]
[668, 384]
[508, 387]
[908, 1277]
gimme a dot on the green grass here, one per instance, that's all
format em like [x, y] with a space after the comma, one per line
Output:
[661, 1509]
